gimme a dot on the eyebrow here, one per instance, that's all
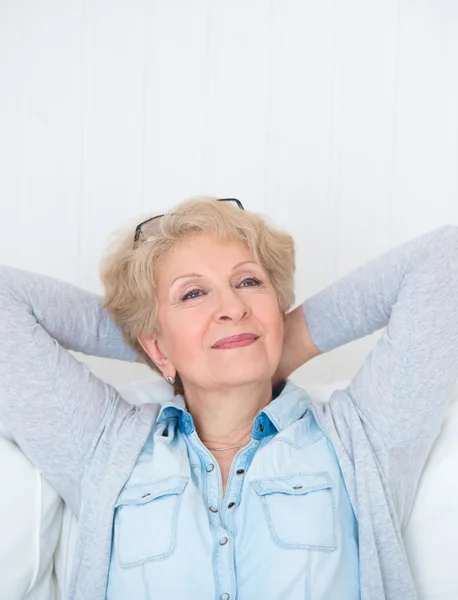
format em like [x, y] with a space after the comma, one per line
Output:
[187, 275]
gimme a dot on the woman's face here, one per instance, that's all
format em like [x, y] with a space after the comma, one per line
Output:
[208, 290]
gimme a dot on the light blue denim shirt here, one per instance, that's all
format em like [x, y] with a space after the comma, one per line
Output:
[284, 529]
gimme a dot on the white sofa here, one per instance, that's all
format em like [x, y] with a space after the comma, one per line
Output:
[37, 531]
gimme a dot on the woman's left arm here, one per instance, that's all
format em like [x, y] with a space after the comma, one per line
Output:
[403, 387]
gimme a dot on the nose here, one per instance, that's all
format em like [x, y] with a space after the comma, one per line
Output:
[231, 307]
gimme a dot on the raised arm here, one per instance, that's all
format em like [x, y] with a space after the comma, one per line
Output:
[52, 404]
[72, 316]
[403, 387]
[412, 290]
[356, 305]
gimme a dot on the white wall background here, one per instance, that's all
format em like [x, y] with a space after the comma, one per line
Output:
[338, 119]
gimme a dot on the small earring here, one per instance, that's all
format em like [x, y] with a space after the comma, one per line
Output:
[170, 380]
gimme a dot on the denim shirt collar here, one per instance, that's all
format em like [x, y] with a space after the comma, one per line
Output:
[289, 403]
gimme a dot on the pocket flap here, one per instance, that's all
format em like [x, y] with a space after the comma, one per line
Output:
[145, 492]
[300, 483]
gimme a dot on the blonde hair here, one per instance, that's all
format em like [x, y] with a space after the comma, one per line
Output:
[128, 273]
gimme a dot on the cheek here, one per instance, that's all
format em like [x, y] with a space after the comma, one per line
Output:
[273, 322]
[186, 333]
[272, 316]
[278, 328]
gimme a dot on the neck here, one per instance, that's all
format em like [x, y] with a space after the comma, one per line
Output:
[224, 417]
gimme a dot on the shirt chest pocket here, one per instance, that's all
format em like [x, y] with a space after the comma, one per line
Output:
[299, 510]
[146, 521]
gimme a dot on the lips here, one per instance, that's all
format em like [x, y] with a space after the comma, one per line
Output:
[235, 338]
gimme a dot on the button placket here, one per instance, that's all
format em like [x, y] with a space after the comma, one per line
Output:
[225, 546]
[225, 562]
[210, 473]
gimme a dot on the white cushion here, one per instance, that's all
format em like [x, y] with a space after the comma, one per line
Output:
[432, 532]
[30, 523]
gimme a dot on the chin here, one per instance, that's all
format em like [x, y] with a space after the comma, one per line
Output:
[239, 379]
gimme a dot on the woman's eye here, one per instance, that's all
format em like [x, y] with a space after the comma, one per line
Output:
[253, 279]
[189, 295]
[192, 294]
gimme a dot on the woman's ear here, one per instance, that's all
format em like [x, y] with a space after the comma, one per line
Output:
[151, 347]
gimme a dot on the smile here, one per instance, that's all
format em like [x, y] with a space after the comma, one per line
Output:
[238, 344]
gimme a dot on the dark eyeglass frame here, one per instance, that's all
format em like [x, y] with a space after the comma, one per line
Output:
[138, 229]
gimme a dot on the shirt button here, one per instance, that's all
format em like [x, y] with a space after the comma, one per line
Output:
[225, 597]
[231, 504]
[240, 471]
[213, 509]
[210, 467]
[261, 427]
[223, 541]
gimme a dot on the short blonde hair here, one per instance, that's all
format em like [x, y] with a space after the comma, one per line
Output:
[128, 273]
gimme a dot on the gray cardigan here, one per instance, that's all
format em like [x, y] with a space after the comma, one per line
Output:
[85, 438]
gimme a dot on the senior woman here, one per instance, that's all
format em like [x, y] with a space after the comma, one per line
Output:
[241, 486]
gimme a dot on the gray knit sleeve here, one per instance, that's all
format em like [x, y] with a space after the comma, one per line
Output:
[402, 390]
[52, 404]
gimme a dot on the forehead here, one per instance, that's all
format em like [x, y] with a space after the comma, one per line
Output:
[204, 251]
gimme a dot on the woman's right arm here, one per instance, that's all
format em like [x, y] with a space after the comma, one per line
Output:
[52, 404]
